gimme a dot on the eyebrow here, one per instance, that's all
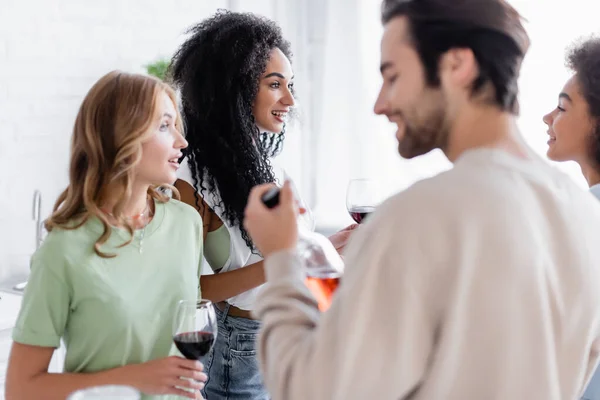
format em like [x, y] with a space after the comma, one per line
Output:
[168, 115]
[277, 74]
[565, 96]
[384, 66]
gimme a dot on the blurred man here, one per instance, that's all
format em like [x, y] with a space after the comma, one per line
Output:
[479, 283]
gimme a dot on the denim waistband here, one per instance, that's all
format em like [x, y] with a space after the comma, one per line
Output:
[236, 322]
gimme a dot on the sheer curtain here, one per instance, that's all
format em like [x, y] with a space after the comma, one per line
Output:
[350, 141]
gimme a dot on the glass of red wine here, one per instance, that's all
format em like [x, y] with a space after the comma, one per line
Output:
[194, 328]
[362, 197]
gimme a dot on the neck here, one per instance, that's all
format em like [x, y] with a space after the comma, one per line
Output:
[134, 207]
[591, 173]
[484, 127]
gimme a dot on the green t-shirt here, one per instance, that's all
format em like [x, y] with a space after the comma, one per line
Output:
[112, 311]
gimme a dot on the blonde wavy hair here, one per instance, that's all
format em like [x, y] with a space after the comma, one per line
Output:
[111, 125]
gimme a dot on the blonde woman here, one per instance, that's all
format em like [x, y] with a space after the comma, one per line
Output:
[119, 255]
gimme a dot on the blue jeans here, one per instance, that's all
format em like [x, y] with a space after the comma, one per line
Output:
[592, 392]
[232, 367]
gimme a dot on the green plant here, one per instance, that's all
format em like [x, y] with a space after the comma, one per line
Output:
[158, 68]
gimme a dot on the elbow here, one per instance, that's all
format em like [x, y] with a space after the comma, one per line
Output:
[12, 388]
[25, 388]
[15, 390]
[26, 372]
[20, 385]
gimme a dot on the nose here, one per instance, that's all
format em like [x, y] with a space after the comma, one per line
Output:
[548, 118]
[180, 142]
[381, 104]
[288, 98]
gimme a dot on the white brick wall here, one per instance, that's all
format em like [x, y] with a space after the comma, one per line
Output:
[51, 52]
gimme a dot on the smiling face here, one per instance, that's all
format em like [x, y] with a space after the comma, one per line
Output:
[570, 125]
[275, 97]
[418, 110]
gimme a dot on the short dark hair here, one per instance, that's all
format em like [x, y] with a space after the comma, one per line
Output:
[583, 58]
[433, 33]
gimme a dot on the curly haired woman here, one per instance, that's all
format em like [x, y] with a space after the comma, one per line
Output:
[574, 130]
[236, 84]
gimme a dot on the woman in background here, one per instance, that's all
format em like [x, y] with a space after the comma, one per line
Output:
[574, 130]
[236, 83]
[119, 255]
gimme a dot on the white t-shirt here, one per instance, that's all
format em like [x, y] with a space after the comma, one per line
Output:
[240, 255]
[479, 283]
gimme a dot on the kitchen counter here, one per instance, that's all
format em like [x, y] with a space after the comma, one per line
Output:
[10, 304]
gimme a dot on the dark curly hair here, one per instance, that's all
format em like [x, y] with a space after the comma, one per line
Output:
[583, 58]
[217, 71]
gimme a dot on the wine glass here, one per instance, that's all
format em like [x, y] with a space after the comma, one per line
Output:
[195, 328]
[307, 218]
[362, 197]
[322, 263]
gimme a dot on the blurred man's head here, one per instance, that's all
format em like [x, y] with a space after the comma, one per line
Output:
[440, 56]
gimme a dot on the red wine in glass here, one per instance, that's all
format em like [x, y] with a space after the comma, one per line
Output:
[359, 214]
[362, 197]
[194, 345]
[194, 328]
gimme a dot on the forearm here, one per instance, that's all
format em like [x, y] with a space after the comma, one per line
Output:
[289, 314]
[221, 286]
[306, 354]
[50, 386]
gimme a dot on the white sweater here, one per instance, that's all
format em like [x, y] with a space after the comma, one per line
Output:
[479, 283]
[595, 190]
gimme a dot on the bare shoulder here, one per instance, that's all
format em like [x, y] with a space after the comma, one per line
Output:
[191, 197]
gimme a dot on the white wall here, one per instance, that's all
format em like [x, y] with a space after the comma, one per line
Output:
[352, 142]
[51, 52]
